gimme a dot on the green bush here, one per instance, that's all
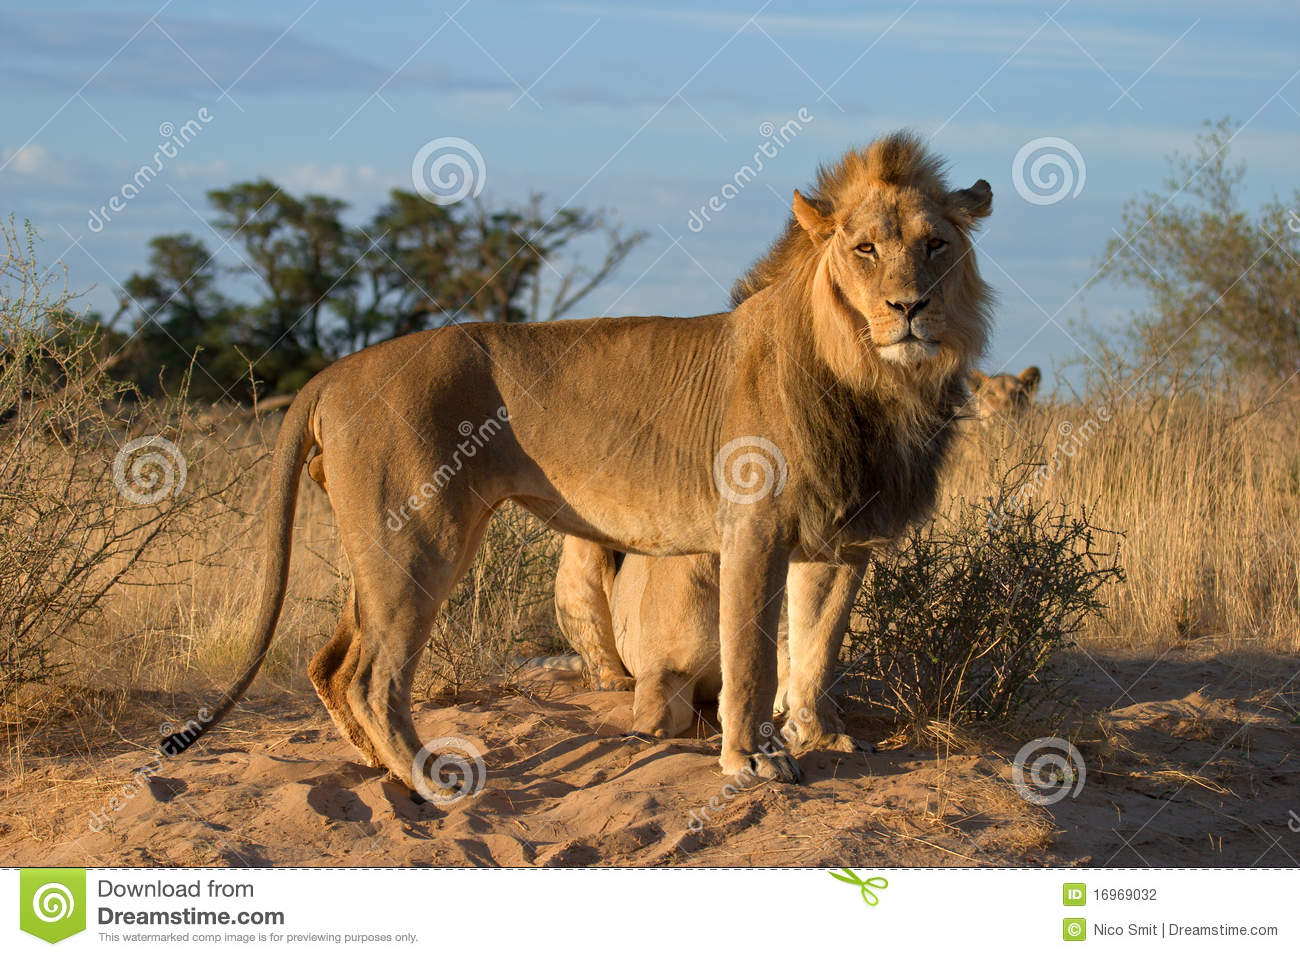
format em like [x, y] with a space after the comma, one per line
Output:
[960, 622]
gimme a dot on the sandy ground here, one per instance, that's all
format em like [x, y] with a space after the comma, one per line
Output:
[1189, 761]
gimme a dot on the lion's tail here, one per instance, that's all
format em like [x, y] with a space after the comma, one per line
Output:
[292, 446]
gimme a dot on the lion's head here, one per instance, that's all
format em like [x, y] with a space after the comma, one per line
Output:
[877, 311]
[1004, 394]
[881, 249]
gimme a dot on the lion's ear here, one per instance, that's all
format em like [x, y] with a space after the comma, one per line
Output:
[975, 201]
[1030, 379]
[814, 222]
[977, 380]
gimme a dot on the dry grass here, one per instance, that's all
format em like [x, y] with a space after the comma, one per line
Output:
[179, 625]
[1206, 493]
[186, 626]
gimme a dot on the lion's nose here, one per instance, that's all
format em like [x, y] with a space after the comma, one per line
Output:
[908, 309]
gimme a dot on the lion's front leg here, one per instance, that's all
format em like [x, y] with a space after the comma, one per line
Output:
[820, 597]
[752, 578]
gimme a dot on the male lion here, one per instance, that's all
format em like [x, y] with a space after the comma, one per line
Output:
[841, 370]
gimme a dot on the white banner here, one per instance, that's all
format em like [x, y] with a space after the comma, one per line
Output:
[630, 912]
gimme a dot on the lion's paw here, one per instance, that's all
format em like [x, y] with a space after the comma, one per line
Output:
[842, 742]
[821, 733]
[611, 682]
[763, 766]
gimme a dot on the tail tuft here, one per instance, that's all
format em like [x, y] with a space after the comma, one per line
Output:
[175, 744]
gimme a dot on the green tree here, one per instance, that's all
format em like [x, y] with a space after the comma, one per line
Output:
[297, 250]
[423, 265]
[512, 269]
[182, 314]
[406, 266]
[1222, 283]
[316, 288]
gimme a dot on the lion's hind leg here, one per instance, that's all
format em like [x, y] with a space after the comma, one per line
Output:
[331, 672]
[399, 589]
[663, 705]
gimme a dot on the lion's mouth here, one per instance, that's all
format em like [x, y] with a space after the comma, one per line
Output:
[911, 340]
[910, 349]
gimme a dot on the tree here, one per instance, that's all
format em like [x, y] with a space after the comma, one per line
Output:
[182, 314]
[423, 265]
[406, 266]
[321, 289]
[1223, 284]
[297, 249]
[512, 261]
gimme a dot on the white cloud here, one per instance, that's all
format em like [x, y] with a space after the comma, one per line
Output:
[27, 160]
[208, 170]
[360, 184]
[310, 178]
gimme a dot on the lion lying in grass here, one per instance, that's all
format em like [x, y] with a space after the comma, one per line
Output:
[785, 436]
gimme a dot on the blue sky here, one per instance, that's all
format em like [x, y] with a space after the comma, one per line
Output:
[645, 110]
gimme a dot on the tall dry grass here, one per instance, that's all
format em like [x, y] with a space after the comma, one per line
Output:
[1204, 488]
[185, 626]
[176, 632]
[1205, 494]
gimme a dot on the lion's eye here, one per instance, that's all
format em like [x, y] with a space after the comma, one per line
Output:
[865, 249]
[935, 244]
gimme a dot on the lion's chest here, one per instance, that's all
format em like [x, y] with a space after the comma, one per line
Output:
[888, 482]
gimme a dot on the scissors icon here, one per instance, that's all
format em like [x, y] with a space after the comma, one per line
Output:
[868, 895]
